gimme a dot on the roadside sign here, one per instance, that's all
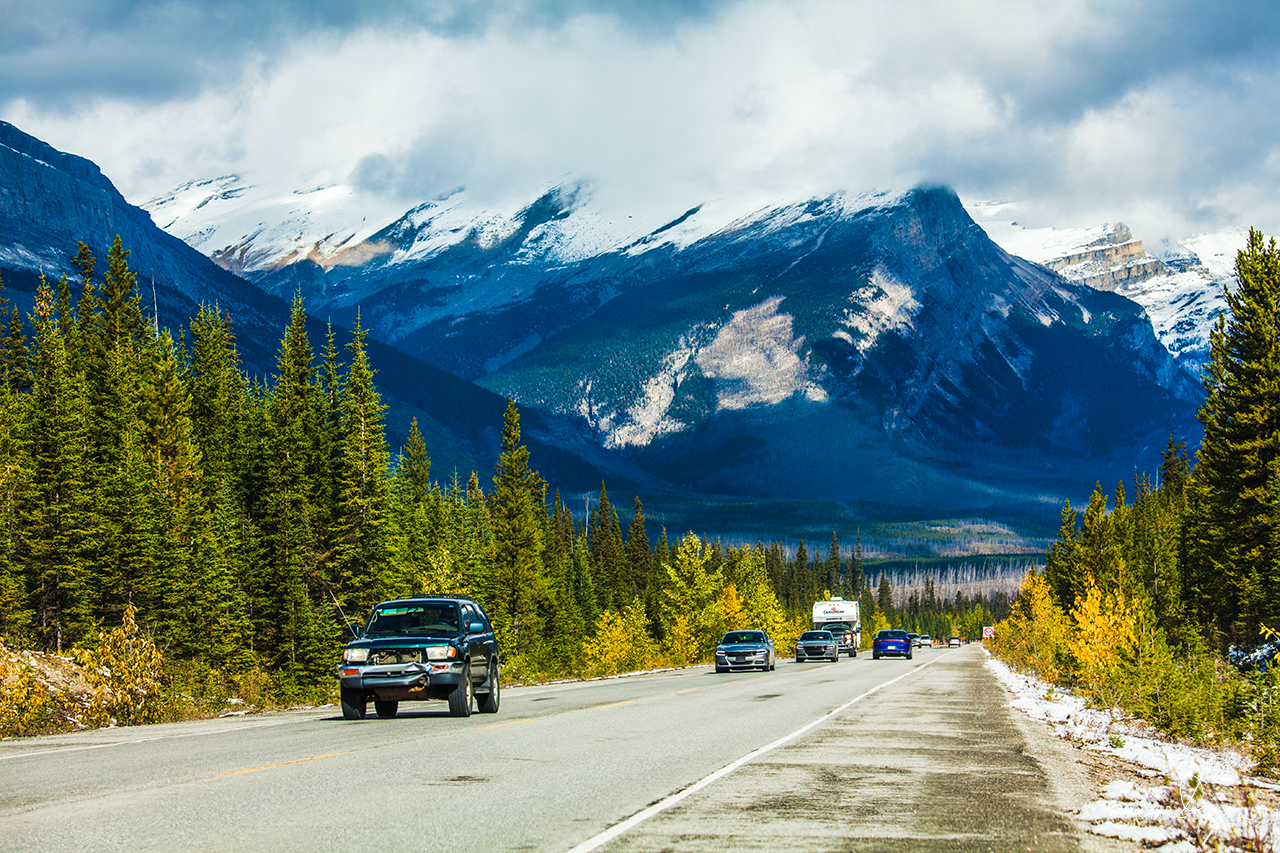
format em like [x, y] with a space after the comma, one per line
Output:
[988, 632]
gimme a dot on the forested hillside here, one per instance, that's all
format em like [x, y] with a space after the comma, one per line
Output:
[1141, 597]
[157, 499]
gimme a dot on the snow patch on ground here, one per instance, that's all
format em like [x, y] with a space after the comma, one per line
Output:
[1185, 793]
[755, 360]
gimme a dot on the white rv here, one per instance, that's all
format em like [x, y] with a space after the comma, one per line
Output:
[841, 618]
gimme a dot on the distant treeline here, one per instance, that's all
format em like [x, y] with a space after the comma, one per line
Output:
[247, 524]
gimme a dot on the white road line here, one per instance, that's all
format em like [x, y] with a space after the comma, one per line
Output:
[140, 740]
[597, 841]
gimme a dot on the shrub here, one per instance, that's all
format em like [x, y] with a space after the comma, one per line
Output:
[126, 671]
[26, 706]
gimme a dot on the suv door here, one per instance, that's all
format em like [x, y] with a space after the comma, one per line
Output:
[477, 648]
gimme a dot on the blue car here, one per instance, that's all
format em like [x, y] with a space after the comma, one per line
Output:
[744, 650]
[891, 641]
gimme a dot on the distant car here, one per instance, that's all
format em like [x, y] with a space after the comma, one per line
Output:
[745, 650]
[915, 640]
[421, 648]
[891, 641]
[926, 641]
[953, 643]
[817, 645]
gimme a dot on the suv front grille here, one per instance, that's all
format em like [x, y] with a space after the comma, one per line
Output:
[386, 656]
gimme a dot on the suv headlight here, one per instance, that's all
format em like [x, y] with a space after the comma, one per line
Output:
[441, 652]
[355, 655]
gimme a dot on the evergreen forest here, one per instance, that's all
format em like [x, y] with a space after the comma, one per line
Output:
[229, 530]
[1150, 592]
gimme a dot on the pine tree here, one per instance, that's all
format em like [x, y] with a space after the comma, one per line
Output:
[15, 359]
[1230, 515]
[329, 461]
[365, 569]
[219, 405]
[54, 505]
[516, 585]
[15, 475]
[638, 553]
[831, 568]
[288, 596]
[608, 557]
[413, 469]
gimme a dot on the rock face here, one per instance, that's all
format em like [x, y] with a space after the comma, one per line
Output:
[1180, 287]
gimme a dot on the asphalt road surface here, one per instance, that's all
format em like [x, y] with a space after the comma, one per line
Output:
[858, 755]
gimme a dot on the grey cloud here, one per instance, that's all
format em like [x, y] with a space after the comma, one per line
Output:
[62, 54]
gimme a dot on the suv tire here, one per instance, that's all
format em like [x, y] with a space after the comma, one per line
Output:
[354, 704]
[488, 702]
[460, 698]
[385, 708]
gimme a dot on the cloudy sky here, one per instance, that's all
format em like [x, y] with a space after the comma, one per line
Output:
[1164, 114]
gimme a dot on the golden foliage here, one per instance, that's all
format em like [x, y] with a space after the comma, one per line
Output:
[26, 706]
[126, 672]
[621, 642]
[1037, 634]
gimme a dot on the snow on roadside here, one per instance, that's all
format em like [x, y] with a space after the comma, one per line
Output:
[1193, 791]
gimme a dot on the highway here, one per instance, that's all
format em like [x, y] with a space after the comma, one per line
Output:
[856, 755]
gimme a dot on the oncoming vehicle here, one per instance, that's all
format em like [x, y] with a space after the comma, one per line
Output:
[421, 648]
[915, 640]
[745, 650]
[926, 642]
[817, 645]
[842, 619]
[891, 641]
[954, 643]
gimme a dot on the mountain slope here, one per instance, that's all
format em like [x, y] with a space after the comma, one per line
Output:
[871, 348]
[49, 200]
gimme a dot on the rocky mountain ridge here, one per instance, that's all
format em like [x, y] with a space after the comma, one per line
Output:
[699, 343]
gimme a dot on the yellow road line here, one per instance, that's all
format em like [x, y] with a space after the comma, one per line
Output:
[281, 764]
[616, 704]
[500, 725]
[688, 690]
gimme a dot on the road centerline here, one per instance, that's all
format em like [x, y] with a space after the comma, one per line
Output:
[602, 838]
[280, 764]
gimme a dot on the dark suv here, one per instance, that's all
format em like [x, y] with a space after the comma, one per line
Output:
[421, 648]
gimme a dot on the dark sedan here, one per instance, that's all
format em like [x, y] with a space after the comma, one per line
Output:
[744, 650]
[891, 642]
[817, 645]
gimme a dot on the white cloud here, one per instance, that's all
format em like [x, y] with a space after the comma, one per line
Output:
[1162, 115]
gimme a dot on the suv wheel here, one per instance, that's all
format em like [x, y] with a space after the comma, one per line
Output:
[385, 708]
[354, 704]
[460, 698]
[488, 702]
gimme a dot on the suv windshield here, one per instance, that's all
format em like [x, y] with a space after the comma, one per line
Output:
[743, 637]
[426, 618]
[816, 635]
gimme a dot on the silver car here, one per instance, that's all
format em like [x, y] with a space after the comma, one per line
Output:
[745, 650]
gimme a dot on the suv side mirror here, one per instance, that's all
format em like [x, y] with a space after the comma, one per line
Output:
[475, 628]
[356, 631]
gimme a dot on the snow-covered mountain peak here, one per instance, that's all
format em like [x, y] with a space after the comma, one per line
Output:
[1178, 283]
